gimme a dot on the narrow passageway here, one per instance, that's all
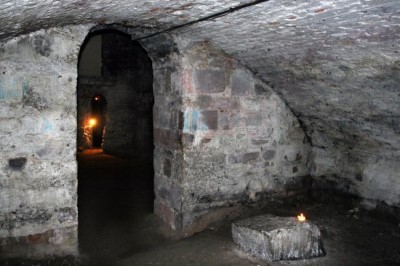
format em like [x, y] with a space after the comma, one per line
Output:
[114, 199]
[115, 196]
[117, 225]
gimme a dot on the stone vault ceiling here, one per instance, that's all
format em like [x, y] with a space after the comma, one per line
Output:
[20, 16]
[336, 63]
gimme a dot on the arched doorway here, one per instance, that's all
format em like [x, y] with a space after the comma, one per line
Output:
[115, 68]
[115, 188]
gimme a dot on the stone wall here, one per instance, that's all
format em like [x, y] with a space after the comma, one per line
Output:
[350, 111]
[167, 123]
[230, 139]
[221, 137]
[38, 172]
[336, 65]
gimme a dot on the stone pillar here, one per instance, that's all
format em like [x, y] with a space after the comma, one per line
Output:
[222, 137]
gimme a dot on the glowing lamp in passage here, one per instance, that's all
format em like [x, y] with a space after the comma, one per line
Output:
[92, 122]
[301, 217]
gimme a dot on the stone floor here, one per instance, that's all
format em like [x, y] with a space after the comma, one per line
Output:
[117, 227]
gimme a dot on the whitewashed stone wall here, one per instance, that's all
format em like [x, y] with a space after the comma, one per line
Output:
[38, 171]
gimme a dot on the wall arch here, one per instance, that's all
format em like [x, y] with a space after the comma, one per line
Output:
[125, 78]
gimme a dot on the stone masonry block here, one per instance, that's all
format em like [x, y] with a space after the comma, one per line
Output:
[243, 158]
[167, 214]
[224, 121]
[167, 138]
[209, 81]
[168, 190]
[171, 194]
[204, 101]
[167, 167]
[209, 119]
[57, 242]
[278, 238]
[259, 141]
[164, 118]
[269, 155]
[254, 119]
[187, 140]
[242, 84]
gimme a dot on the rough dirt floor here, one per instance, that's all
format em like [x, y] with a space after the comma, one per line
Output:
[117, 227]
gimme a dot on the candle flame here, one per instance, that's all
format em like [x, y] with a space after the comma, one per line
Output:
[301, 217]
[92, 122]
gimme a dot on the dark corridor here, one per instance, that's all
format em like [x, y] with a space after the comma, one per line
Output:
[99, 109]
[115, 195]
[115, 199]
[118, 73]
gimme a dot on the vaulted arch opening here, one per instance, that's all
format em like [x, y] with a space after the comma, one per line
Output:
[115, 141]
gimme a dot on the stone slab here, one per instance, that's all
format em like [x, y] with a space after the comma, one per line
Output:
[278, 238]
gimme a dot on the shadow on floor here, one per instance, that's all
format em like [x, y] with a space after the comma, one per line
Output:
[115, 203]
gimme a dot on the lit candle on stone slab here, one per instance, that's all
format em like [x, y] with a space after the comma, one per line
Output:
[301, 217]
